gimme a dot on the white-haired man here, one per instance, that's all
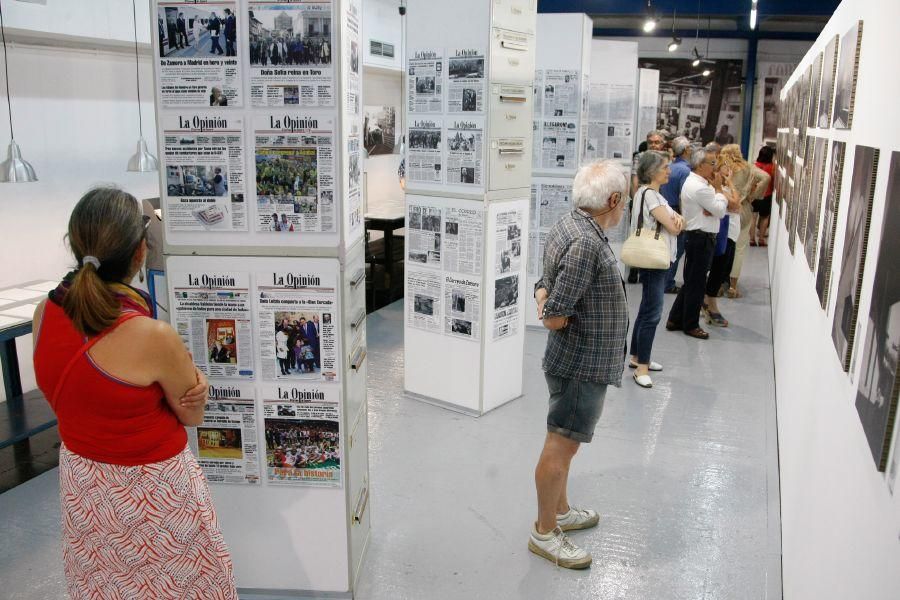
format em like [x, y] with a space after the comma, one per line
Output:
[581, 300]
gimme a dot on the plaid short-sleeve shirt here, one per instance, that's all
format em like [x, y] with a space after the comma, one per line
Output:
[583, 281]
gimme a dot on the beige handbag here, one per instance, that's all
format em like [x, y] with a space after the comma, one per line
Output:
[646, 249]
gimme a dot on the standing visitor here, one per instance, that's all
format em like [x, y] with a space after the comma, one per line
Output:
[123, 388]
[581, 300]
[762, 208]
[720, 269]
[671, 191]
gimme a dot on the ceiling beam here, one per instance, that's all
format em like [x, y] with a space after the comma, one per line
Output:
[740, 34]
[713, 8]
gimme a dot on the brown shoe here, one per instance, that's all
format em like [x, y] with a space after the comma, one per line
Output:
[697, 333]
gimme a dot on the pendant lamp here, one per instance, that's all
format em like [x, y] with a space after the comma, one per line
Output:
[14, 169]
[141, 161]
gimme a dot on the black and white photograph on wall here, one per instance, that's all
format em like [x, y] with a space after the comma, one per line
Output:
[814, 83]
[853, 257]
[458, 301]
[466, 68]
[197, 31]
[826, 94]
[424, 305]
[848, 65]
[814, 206]
[290, 35]
[701, 108]
[829, 223]
[876, 394]
[803, 198]
[379, 129]
[461, 327]
[506, 291]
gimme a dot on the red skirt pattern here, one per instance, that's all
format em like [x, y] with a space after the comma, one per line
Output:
[146, 531]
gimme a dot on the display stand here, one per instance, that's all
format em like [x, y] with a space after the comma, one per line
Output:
[470, 72]
[561, 87]
[259, 153]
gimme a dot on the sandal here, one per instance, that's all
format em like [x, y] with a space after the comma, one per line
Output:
[697, 333]
[733, 293]
[752, 242]
[716, 320]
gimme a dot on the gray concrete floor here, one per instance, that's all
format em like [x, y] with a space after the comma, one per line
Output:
[685, 477]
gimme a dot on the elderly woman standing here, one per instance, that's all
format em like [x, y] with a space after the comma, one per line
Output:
[652, 172]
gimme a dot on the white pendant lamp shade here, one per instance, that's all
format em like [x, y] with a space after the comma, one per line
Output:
[14, 169]
[142, 161]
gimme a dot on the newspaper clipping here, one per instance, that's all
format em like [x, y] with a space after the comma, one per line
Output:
[425, 161]
[423, 293]
[508, 233]
[562, 98]
[298, 330]
[423, 235]
[466, 86]
[465, 151]
[426, 81]
[211, 313]
[610, 116]
[225, 443]
[204, 163]
[506, 306]
[198, 61]
[290, 53]
[295, 173]
[462, 299]
[463, 232]
[353, 101]
[559, 144]
[303, 435]
[549, 202]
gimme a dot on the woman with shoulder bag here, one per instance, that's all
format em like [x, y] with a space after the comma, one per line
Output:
[654, 215]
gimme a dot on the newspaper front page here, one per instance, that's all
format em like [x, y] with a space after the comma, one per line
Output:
[198, 54]
[291, 47]
[463, 235]
[303, 435]
[298, 325]
[352, 50]
[204, 165]
[508, 234]
[426, 81]
[425, 161]
[211, 313]
[562, 96]
[465, 151]
[466, 80]
[423, 235]
[462, 306]
[559, 144]
[295, 170]
[225, 443]
[423, 297]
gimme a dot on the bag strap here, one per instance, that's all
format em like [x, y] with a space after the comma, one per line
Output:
[640, 223]
[67, 370]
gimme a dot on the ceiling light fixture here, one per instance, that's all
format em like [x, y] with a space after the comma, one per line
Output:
[753, 15]
[706, 72]
[141, 161]
[14, 169]
[650, 22]
[697, 57]
[676, 41]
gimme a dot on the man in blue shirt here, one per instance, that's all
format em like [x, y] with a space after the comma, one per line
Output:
[671, 191]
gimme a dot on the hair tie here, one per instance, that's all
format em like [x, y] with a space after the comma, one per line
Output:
[91, 260]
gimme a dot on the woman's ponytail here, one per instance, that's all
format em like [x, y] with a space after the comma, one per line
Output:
[90, 303]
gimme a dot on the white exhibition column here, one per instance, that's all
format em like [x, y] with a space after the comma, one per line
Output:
[470, 71]
[259, 152]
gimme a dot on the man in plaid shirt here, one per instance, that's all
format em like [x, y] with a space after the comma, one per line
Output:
[581, 300]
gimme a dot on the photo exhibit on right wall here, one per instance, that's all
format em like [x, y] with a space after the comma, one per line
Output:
[876, 396]
[848, 67]
[826, 95]
[829, 222]
[814, 206]
[862, 190]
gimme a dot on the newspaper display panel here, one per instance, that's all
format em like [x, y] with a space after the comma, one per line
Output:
[466, 81]
[508, 233]
[610, 115]
[290, 45]
[423, 297]
[198, 61]
[225, 443]
[211, 313]
[559, 144]
[303, 435]
[463, 235]
[562, 96]
[425, 160]
[423, 235]
[426, 81]
[549, 202]
[353, 100]
[298, 329]
[295, 173]
[465, 151]
[462, 302]
[204, 166]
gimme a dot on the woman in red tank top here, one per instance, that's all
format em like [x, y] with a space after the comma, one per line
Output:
[137, 516]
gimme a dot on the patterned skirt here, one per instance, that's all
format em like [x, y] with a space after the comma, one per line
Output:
[146, 531]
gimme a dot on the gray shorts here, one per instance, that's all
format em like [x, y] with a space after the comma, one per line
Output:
[575, 407]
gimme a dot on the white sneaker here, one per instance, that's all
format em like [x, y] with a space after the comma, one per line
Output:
[577, 518]
[559, 549]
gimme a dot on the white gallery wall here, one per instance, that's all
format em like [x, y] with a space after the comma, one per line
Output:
[840, 519]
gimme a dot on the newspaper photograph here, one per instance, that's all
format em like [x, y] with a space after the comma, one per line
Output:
[555, 200]
[536, 139]
[508, 234]
[353, 206]
[204, 163]
[353, 89]
[465, 151]
[465, 80]
[423, 235]
[225, 442]
[537, 88]
[423, 297]
[294, 173]
[462, 302]
[559, 144]
[303, 435]
[298, 329]
[211, 313]
[463, 234]
[506, 306]
[562, 96]
[198, 63]
[618, 140]
[424, 157]
[290, 47]
[426, 81]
